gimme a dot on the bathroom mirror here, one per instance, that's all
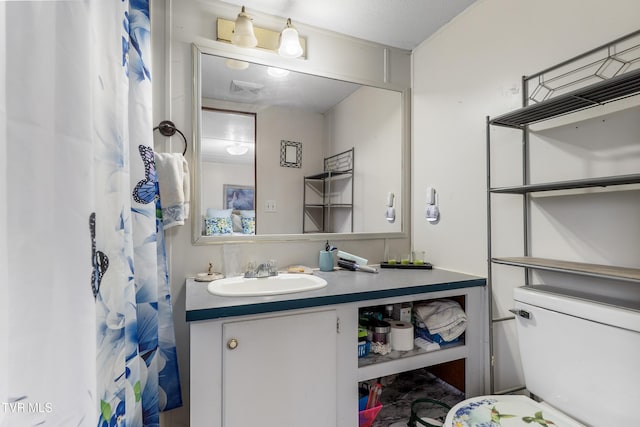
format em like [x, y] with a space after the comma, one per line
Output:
[260, 131]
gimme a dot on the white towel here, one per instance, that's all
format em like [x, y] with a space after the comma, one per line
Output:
[443, 317]
[174, 185]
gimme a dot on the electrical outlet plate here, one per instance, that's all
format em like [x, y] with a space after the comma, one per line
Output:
[270, 206]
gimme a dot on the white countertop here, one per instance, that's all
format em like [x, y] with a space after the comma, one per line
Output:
[343, 286]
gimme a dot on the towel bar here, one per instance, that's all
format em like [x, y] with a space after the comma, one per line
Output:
[167, 128]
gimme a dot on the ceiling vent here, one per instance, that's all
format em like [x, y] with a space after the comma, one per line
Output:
[238, 86]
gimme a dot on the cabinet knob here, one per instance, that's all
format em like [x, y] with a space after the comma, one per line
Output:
[232, 344]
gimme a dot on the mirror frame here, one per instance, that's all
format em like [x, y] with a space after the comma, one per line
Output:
[270, 59]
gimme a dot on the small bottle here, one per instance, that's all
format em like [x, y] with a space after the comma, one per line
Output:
[389, 310]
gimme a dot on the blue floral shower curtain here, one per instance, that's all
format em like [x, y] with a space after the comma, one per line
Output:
[85, 311]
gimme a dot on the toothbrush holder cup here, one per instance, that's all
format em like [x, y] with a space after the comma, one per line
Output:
[326, 261]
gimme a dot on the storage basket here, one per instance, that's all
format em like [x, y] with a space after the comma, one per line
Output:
[368, 416]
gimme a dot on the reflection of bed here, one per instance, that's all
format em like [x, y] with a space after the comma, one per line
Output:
[229, 222]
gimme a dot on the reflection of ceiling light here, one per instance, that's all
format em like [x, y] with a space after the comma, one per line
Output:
[277, 72]
[237, 149]
[243, 35]
[234, 64]
[290, 42]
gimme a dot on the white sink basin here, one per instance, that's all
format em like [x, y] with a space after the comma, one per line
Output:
[281, 284]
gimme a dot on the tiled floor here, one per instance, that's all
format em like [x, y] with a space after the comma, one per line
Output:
[400, 391]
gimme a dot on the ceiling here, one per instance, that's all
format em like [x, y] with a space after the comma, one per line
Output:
[399, 23]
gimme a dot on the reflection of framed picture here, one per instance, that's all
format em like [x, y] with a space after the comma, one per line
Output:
[239, 197]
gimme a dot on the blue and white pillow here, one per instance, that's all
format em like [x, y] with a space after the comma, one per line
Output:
[218, 221]
[248, 221]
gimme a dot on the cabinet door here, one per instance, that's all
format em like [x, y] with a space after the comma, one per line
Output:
[280, 371]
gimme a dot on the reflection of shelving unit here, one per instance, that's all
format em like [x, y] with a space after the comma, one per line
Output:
[606, 74]
[328, 196]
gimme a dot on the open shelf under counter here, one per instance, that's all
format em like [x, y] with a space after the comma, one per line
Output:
[376, 365]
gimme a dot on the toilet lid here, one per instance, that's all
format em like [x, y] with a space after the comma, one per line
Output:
[506, 411]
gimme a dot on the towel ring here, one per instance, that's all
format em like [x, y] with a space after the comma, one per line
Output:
[167, 128]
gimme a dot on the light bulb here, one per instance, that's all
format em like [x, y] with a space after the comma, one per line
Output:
[289, 42]
[243, 35]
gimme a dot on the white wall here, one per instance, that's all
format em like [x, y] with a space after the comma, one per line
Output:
[472, 68]
[175, 26]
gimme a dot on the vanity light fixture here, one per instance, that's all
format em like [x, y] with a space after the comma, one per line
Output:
[243, 34]
[391, 211]
[290, 42]
[237, 149]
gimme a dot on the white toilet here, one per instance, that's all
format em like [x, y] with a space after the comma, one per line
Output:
[582, 358]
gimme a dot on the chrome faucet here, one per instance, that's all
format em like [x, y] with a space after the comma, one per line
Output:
[266, 269]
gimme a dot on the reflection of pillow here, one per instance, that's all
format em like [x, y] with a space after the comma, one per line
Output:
[218, 213]
[237, 223]
[248, 219]
[248, 225]
[219, 225]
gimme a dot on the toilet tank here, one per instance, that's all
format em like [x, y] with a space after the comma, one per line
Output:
[579, 355]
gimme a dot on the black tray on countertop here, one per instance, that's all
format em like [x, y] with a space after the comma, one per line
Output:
[410, 266]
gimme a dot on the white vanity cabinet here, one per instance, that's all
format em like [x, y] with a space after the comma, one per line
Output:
[292, 360]
[268, 371]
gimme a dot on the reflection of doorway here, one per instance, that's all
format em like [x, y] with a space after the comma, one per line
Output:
[227, 159]
[228, 136]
